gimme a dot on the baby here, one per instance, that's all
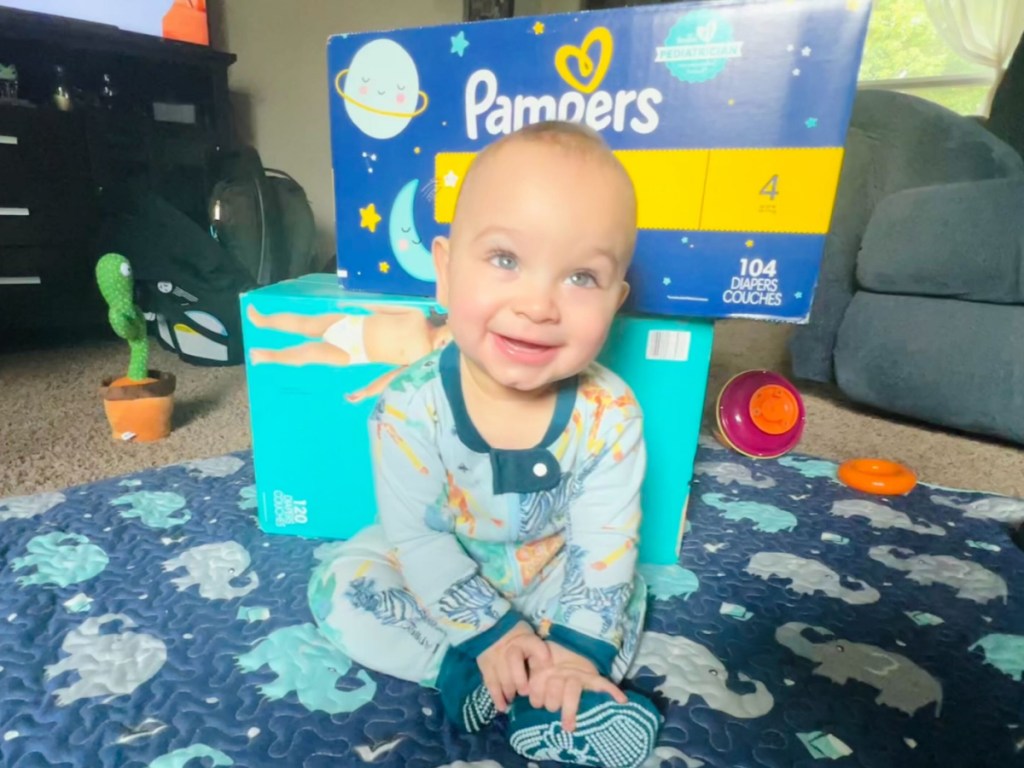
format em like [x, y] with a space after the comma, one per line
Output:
[508, 468]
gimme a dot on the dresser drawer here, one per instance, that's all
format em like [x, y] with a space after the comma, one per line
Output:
[35, 216]
[41, 146]
[42, 286]
[38, 264]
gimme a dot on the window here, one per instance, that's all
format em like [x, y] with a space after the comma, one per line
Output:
[904, 52]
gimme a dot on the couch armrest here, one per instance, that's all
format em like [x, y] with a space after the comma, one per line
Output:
[962, 241]
[895, 142]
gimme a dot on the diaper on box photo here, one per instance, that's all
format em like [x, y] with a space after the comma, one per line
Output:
[730, 117]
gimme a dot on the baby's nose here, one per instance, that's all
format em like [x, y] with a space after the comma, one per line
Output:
[538, 304]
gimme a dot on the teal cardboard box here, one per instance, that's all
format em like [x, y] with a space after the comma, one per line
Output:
[317, 356]
[665, 361]
[730, 117]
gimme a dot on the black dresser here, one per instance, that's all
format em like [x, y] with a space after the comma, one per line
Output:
[145, 112]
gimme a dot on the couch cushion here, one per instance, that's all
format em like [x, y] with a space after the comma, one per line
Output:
[895, 142]
[958, 364]
[963, 240]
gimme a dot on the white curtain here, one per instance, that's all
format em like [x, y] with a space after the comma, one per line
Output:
[982, 31]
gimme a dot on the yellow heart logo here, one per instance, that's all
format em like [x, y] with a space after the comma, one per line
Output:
[585, 63]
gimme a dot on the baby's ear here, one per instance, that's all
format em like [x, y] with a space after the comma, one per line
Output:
[440, 250]
[623, 293]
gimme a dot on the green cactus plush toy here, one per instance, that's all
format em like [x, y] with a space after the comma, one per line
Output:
[114, 277]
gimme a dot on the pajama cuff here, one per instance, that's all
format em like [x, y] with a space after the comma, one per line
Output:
[480, 643]
[599, 652]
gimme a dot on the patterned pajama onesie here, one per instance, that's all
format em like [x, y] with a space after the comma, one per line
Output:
[472, 539]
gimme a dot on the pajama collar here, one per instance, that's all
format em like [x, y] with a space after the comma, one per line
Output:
[515, 471]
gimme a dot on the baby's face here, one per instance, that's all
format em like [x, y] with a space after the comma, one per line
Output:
[534, 271]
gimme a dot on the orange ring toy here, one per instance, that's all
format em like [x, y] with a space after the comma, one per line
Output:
[879, 476]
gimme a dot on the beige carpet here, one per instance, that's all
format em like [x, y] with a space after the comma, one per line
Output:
[53, 433]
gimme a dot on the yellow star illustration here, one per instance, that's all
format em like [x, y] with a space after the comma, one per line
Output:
[369, 218]
[538, 28]
[749, 243]
[384, 267]
[731, 102]
[853, 5]
[416, 150]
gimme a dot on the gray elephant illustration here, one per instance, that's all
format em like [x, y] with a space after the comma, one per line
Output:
[21, 507]
[998, 508]
[970, 580]
[727, 472]
[690, 669]
[807, 576]
[221, 466]
[116, 663]
[883, 517]
[212, 567]
[900, 682]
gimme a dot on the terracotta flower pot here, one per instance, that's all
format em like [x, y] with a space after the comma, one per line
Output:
[139, 410]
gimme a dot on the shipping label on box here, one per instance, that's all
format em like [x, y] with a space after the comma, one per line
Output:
[729, 116]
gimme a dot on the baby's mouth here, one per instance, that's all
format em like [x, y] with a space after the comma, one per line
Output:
[524, 348]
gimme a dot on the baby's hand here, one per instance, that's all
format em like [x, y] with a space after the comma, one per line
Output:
[560, 685]
[504, 664]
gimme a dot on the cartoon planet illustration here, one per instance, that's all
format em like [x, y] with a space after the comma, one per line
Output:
[406, 243]
[381, 89]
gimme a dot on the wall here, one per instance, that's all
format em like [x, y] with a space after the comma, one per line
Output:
[539, 7]
[279, 83]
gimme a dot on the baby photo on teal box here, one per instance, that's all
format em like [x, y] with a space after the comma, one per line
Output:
[316, 358]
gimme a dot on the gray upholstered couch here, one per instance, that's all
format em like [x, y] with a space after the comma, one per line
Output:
[920, 306]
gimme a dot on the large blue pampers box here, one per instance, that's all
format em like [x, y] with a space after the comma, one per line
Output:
[317, 356]
[729, 116]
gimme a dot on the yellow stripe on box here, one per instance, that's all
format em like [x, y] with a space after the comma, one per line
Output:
[732, 190]
[449, 166]
[669, 186]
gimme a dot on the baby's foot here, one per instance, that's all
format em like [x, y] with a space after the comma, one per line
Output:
[255, 317]
[257, 356]
[478, 709]
[607, 733]
[464, 697]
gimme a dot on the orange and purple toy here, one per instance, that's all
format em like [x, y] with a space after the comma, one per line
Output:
[760, 414]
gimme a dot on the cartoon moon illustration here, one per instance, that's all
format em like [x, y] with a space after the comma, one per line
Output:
[381, 89]
[406, 243]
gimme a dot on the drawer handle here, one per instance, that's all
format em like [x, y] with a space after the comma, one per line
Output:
[13, 211]
[8, 139]
[21, 280]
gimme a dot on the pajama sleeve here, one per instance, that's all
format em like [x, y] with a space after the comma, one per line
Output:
[411, 491]
[601, 541]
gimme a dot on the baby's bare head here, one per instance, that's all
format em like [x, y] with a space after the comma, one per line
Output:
[555, 143]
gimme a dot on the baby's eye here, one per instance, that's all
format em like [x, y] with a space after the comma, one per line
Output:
[583, 280]
[365, 79]
[400, 87]
[504, 261]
